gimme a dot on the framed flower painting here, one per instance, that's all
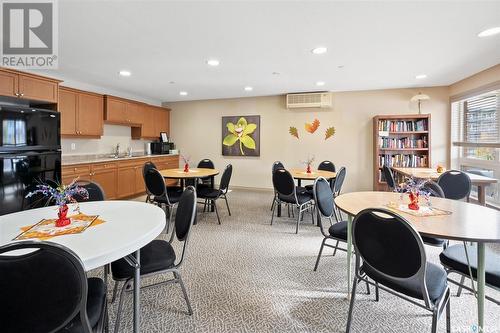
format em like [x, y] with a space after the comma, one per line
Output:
[241, 136]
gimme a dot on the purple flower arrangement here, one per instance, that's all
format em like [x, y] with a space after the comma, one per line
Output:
[63, 194]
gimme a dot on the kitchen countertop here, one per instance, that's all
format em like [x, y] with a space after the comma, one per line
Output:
[82, 159]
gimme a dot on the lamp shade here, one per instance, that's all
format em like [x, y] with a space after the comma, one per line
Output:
[420, 97]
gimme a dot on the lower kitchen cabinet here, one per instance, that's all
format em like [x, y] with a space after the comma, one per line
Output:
[119, 179]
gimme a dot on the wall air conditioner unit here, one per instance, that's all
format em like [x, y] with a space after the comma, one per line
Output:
[309, 100]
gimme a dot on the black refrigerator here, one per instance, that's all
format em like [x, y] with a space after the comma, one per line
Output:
[30, 153]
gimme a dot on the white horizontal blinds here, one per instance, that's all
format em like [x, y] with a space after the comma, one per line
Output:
[475, 121]
[481, 119]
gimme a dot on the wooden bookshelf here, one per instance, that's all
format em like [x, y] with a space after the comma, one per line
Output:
[400, 141]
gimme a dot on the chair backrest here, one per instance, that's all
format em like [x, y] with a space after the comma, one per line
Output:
[42, 290]
[184, 218]
[455, 184]
[226, 178]
[155, 183]
[389, 177]
[326, 166]
[283, 182]
[323, 197]
[206, 163]
[277, 165]
[147, 166]
[339, 181]
[390, 246]
[95, 191]
[433, 188]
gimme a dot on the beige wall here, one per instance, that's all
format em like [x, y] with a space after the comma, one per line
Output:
[196, 130]
[487, 77]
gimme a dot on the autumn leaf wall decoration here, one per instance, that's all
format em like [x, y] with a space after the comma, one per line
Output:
[311, 128]
[241, 136]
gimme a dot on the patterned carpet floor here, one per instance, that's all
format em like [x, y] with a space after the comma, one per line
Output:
[248, 276]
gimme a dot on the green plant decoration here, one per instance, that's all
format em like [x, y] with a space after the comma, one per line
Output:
[330, 131]
[240, 132]
[294, 132]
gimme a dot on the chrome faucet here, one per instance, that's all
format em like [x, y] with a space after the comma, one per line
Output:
[117, 150]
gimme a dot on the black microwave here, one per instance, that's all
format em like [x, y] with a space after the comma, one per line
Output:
[158, 148]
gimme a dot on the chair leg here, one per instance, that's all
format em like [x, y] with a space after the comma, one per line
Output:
[299, 215]
[179, 278]
[216, 211]
[272, 213]
[288, 209]
[319, 254]
[351, 308]
[312, 215]
[368, 288]
[227, 205]
[448, 316]
[273, 203]
[434, 321]
[462, 281]
[171, 209]
[335, 249]
[376, 292]
[115, 290]
[120, 304]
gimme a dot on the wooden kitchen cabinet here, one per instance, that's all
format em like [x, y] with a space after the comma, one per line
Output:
[126, 181]
[122, 112]
[71, 172]
[140, 186]
[147, 130]
[28, 86]
[8, 84]
[162, 120]
[81, 113]
[106, 176]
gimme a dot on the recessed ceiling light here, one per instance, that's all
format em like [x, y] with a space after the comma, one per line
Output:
[319, 50]
[248, 88]
[320, 83]
[183, 93]
[125, 73]
[489, 32]
[420, 76]
[340, 66]
[213, 62]
[276, 73]
[172, 82]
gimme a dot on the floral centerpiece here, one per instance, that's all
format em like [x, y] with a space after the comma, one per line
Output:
[62, 195]
[185, 160]
[415, 189]
[308, 164]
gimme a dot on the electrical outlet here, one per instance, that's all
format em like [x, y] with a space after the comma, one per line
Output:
[73, 146]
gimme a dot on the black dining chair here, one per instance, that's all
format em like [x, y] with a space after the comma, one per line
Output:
[398, 266]
[389, 178]
[456, 184]
[290, 194]
[155, 184]
[434, 190]
[323, 166]
[459, 257]
[47, 290]
[159, 257]
[205, 182]
[210, 196]
[146, 167]
[95, 191]
[276, 165]
[337, 231]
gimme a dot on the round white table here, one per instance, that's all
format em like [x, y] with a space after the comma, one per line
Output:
[128, 226]
[467, 222]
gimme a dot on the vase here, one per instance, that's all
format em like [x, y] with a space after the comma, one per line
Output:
[186, 167]
[413, 205]
[308, 170]
[62, 220]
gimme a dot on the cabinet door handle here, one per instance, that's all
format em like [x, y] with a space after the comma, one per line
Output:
[22, 94]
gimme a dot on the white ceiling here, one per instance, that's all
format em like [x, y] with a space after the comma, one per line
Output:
[379, 44]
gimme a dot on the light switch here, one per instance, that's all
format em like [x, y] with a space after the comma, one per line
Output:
[73, 146]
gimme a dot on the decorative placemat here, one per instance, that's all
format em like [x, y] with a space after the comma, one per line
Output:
[46, 228]
[422, 212]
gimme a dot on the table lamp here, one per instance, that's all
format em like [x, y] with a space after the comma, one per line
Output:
[419, 97]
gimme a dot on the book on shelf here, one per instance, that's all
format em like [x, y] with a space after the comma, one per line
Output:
[403, 125]
[402, 143]
[403, 160]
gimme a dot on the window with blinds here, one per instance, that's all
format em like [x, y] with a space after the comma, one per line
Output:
[476, 126]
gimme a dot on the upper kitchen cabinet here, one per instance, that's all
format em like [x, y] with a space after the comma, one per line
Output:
[28, 86]
[154, 121]
[162, 120]
[122, 112]
[81, 113]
